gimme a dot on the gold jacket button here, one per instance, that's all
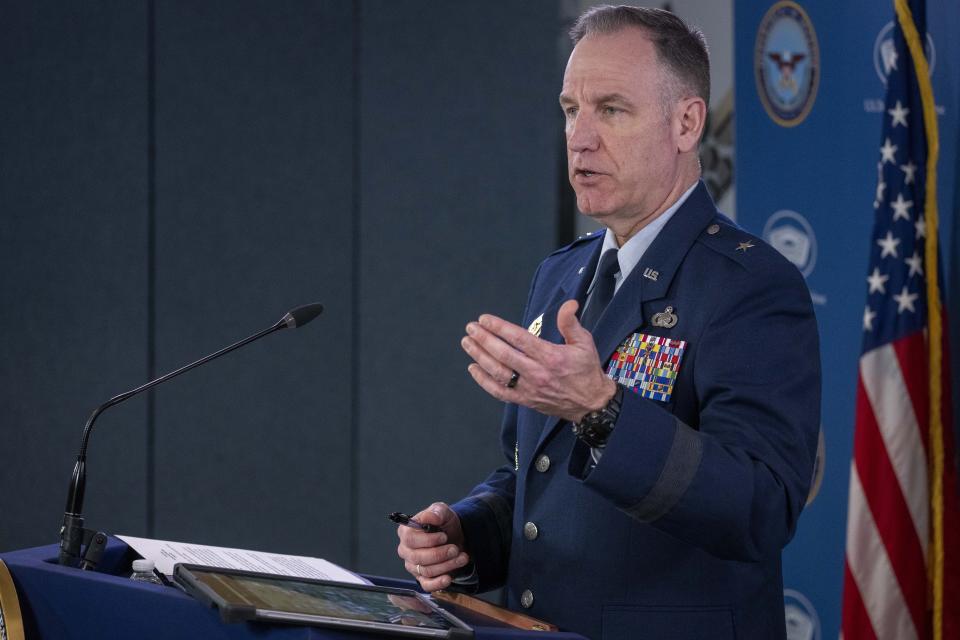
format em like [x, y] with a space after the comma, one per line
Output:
[543, 463]
[530, 531]
[526, 599]
[713, 229]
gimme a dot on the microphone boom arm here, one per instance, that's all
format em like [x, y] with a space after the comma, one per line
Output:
[72, 533]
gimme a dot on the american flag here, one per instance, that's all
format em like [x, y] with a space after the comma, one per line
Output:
[901, 578]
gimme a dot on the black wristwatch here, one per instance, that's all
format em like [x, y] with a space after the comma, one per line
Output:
[594, 428]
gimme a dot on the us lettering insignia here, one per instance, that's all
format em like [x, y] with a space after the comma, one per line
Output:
[651, 274]
[666, 319]
[536, 326]
[647, 365]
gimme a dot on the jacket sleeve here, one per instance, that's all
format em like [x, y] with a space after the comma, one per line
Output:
[734, 485]
[486, 514]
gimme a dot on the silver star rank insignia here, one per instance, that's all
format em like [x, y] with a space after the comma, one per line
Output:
[743, 246]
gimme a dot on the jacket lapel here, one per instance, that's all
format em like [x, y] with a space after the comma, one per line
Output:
[651, 278]
[624, 315]
[572, 287]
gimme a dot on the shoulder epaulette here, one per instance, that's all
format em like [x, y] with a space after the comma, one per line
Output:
[587, 237]
[728, 239]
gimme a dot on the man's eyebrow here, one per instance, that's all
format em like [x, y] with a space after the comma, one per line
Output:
[601, 99]
[613, 97]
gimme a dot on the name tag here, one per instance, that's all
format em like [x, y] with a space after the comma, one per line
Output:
[647, 365]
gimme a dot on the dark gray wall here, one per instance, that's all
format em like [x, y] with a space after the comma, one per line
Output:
[73, 273]
[254, 170]
[457, 192]
[175, 175]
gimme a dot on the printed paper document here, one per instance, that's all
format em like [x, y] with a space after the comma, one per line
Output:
[165, 554]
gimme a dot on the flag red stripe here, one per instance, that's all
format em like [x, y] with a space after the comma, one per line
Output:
[856, 623]
[889, 508]
[912, 355]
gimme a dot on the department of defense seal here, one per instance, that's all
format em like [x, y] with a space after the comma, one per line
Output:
[886, 59]
[786, 62]
[792, 235]
[803, 623]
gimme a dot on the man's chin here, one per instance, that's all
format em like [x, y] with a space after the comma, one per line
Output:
[593, 208]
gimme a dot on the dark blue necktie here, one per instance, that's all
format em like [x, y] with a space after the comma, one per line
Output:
[603, 289]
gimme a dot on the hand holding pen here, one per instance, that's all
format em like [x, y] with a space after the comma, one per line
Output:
[409, 521]
[431, 545]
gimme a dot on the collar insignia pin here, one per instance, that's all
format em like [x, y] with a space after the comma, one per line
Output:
[582, 269]
[651, 274]
[666, 319]
[743, 246]
[536, 326]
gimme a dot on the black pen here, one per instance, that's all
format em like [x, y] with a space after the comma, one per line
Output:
[407, 521]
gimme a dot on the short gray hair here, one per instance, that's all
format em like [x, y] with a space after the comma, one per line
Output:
[681, 49]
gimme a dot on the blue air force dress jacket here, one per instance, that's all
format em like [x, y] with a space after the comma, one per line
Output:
[678, 529]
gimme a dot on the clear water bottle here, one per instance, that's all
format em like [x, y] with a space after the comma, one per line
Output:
[143, 572]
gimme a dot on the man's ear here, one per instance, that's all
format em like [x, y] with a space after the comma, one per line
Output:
[690, 121]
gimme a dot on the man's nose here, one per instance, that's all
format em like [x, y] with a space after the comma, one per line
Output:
[582, 133]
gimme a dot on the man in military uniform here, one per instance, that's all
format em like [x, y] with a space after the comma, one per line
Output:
[660, 444]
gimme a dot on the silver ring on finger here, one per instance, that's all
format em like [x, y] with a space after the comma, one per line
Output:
[514, 378]
[419, 572]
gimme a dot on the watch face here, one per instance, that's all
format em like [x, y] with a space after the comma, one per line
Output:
[594, 435]
[595, 427]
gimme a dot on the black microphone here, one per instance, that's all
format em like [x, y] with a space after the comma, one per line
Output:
[72, 533]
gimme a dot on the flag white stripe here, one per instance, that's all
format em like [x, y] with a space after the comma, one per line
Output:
[893, 408]
[872, 571]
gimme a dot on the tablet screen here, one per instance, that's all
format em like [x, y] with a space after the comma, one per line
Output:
[328, 600]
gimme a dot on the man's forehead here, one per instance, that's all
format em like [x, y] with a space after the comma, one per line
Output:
[611, 58]
[629, 43]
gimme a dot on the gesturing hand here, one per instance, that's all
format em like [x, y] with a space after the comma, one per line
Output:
[563, 380]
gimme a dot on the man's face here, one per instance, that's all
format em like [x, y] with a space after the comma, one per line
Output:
[622, 154]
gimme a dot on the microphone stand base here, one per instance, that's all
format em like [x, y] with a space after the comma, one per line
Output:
[94, 551]
[80, 546]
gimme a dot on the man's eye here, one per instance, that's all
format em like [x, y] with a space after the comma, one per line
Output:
[570, 111]
[609, 111]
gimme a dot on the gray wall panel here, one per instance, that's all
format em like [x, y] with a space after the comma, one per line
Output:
[254, 157]
[72, 265]
[458, 200]
[368, 409]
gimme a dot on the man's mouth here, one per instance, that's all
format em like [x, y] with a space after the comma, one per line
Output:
[586, 173]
